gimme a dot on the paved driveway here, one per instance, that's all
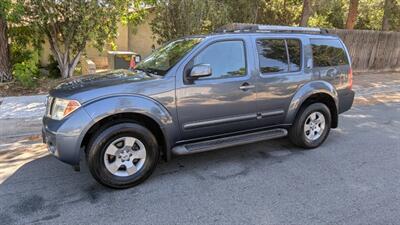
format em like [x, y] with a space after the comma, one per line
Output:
[354, 178]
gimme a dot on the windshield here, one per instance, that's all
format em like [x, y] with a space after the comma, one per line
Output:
[164, 58]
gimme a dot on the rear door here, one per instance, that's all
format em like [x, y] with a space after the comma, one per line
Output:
[280, 73]
[223, 103]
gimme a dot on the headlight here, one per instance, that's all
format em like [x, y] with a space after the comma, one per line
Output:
[62, 108]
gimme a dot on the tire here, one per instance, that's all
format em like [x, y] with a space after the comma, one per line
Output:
[114, 151]
[301, 134]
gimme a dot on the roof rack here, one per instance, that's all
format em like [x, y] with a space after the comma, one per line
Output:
[243, 27]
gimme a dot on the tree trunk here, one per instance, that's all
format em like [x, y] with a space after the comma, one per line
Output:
[352, 16]
[67, 69]
[307, 11]
[5, 65]
[388, 9]
[65, 64]
[64, 69]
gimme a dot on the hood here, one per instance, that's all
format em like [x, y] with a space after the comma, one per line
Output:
[100, 82]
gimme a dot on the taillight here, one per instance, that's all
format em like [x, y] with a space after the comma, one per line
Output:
[350, 78]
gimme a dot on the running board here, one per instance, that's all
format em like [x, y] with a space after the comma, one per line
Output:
[225, 142]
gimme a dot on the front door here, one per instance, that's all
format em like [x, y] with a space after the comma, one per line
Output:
[223, 102]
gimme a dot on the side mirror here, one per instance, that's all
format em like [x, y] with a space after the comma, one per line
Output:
[138, 58]
[201, 70]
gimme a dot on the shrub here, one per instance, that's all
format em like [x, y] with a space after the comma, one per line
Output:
[52, 67]
[26, 72]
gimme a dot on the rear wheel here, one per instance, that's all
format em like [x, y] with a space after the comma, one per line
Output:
[123, 155]
[311, 127]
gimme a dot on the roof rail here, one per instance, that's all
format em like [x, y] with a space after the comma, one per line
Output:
[243, 27]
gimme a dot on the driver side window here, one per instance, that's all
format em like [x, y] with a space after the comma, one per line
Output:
[226, 58]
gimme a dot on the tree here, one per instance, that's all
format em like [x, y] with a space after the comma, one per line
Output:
[177, 18]
[387, 14]
[370, 14]
[306, 13]
[9, 11]
[5, 65]
[279, 12]
[70, 25]
[352, 15]
[243, 11]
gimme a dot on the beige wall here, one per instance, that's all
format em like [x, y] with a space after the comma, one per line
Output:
[137, 39]
[141, 38]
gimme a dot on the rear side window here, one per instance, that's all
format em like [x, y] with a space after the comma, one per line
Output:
[328, 53]
[272, 55]
[279, 55]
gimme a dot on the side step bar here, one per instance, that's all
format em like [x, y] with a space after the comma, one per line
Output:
[225, 142]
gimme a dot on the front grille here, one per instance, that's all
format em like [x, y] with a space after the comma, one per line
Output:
[49, 105]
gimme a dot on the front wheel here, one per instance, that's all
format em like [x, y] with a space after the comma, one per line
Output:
[311, 127]
[123, 155]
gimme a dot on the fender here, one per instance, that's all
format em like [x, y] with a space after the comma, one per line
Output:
[101, 108]
[310, 88]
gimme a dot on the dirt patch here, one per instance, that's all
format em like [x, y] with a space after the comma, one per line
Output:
[376, 80]
[391, 97]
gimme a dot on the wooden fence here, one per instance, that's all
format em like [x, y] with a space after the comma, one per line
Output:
[372, 50]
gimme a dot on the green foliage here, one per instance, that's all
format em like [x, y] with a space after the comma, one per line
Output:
[370, 15]
[333, 14]
[279, 12]
[71, 25]
[176, 18]
[20, 54]
[329, 14]
[52, 67]
[12, 10]
[244, 11]
[26, 72]
[24, 41]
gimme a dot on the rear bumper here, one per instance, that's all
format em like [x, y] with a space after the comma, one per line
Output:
[64, 137]
[346, 98]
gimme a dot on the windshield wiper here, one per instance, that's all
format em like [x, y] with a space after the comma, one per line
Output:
[149, 71]
[146, 71]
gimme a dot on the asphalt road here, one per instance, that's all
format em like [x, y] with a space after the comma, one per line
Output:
[354, 178]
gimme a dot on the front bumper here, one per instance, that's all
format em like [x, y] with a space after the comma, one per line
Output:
[64, 137]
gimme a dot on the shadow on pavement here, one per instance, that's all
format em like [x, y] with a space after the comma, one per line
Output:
[38, 189]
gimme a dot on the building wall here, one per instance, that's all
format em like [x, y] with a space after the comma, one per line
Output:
[141, 38]
[137, 39]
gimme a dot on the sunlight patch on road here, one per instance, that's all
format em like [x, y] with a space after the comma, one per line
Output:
[19, 153]
[388, 97]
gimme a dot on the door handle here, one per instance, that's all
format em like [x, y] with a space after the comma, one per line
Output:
[246, 86]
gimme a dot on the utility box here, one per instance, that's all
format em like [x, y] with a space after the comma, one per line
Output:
[122, 59]
[88, 66]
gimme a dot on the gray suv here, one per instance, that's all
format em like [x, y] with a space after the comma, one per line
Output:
[201, 93]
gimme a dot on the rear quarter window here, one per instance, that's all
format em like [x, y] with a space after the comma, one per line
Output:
[328, 52]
